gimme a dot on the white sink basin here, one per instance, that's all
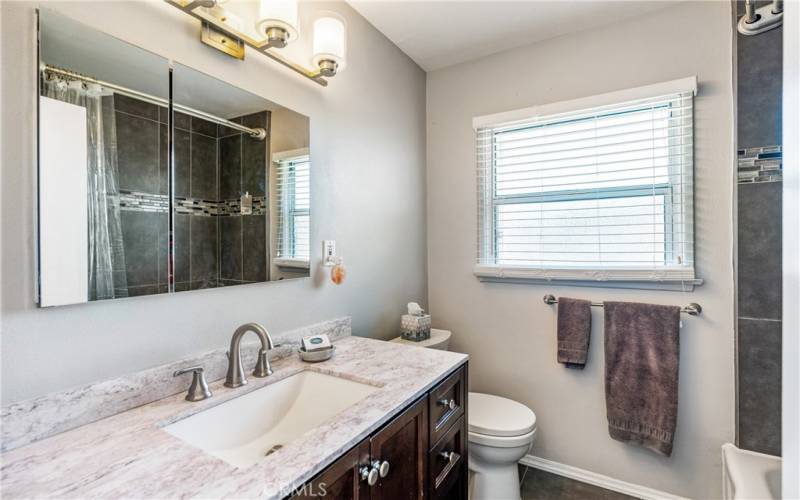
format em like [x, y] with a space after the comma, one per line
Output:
[245, 429]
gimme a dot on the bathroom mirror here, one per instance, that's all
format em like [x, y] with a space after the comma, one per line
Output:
[227, 175]
[241, 183]
[102, 166]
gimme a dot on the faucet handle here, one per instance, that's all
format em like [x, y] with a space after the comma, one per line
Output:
[198, 390]
[262, 368]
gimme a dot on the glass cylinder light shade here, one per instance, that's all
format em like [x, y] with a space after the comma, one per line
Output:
[280, 14]
[330, 43]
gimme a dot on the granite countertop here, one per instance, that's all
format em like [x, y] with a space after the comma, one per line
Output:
[130, 455]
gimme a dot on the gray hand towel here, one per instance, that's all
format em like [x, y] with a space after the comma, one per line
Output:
[641, 344]
[574, 329]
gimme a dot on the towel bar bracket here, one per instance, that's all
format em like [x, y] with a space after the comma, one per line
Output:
[692, 309]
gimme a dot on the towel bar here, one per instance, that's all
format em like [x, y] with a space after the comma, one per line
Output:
[692, 309]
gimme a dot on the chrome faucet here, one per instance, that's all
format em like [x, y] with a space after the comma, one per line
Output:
[235, 377]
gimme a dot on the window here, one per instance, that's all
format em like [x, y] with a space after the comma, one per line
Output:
[593, 189]
[293, 195]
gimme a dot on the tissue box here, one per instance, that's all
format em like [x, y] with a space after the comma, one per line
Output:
[416, 328]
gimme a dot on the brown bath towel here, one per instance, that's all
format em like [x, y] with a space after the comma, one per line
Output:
[574, 329]
[641, 344]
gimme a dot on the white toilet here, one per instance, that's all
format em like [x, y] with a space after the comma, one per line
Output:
[501, 432]
[440, 339]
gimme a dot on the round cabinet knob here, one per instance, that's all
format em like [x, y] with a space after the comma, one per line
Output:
[384, 468]
[369, 474]
[448, 403]
[450, 456]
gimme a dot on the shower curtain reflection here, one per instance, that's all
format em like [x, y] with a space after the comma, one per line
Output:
[106, 256]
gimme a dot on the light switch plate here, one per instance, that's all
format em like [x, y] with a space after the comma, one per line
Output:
[328, 252]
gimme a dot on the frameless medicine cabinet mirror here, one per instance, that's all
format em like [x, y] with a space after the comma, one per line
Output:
[155, 178]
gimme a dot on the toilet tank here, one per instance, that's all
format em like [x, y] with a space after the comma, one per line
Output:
[440, 339]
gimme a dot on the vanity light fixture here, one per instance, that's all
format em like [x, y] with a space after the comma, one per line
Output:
[225, 27]
[277, 21]
[329, 44]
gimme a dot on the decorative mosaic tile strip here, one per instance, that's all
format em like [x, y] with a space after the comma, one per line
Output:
[195, 206]
[762, 164]
[234, 207]
[145, 202]
[224, 208]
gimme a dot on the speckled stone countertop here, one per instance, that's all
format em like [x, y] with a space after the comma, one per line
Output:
[130, 455]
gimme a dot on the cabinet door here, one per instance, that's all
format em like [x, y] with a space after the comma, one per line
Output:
[341, 480]
[403, 445]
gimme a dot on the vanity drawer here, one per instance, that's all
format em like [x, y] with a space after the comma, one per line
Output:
[447, 464]
[446, 404]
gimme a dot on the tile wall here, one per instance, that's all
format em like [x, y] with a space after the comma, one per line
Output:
[215, 245]
[759, 241]
[141, 160]
[243, 239]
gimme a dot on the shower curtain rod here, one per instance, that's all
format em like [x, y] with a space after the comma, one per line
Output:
[692, 309]
[256, 133]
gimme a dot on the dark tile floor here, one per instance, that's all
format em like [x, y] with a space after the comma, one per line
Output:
[541, 485]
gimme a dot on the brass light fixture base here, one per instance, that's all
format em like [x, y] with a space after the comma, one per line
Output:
[230, 41]
[221, 41]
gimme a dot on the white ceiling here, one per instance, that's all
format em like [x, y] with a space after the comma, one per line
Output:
[440, 33]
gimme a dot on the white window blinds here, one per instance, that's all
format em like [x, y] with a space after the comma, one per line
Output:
[600, 193]
[293, 207]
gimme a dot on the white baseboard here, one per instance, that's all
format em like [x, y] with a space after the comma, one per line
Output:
[585, 476]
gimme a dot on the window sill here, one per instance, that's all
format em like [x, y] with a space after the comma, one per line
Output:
[292, 263]
[640, 279]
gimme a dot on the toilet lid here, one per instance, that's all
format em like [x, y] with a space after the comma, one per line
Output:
[496, 416]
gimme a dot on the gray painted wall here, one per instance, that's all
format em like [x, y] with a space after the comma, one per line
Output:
[507, 330]
[368, 187]
[759, 271]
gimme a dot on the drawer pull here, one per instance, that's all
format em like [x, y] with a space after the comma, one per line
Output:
[451, 456]
[369, 474]
[452, 459]
[450, 404]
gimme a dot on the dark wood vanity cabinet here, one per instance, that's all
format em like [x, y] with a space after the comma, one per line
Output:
[342, 479]
[421, 453]
[447, 455]
[402, 444]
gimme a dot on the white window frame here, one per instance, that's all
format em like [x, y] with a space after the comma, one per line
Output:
[287, 257]
[669, 276]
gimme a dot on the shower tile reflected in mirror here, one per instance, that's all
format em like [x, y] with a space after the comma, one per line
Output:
[141, 159]
[240, 175]
[102, 202]
[247, 204]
